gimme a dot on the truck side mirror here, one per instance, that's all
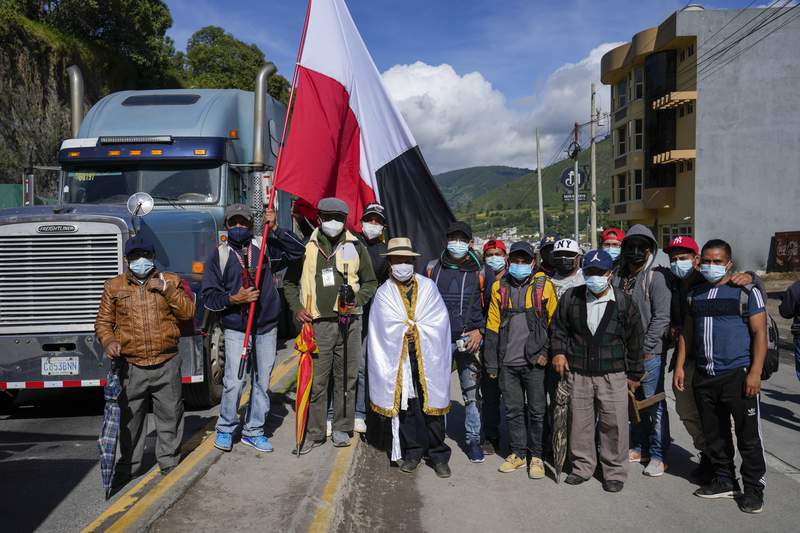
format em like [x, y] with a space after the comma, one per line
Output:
[139, 204]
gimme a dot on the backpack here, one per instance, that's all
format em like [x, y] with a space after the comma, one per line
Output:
[772, 360]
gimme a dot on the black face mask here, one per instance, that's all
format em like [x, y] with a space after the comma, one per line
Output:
[564, 265]
[635, 255]
[239, 237]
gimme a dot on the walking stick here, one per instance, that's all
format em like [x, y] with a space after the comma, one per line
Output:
[347, 298]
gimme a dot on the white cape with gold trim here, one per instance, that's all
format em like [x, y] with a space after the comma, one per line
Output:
[389, 371]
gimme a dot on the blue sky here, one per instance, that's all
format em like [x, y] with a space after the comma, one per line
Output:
[515, 46]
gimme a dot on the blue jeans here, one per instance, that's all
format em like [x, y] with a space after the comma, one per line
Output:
[262, 359]
[797, 355]
[469, 376]
[651, 436]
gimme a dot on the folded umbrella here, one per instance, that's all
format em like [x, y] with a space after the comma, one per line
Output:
[110, 431]
[560, 420]
[305, 344]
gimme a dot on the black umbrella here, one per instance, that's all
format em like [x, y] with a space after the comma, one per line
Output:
[560, 420]
[110, 432]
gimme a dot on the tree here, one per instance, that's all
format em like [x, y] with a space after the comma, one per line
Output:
[217, 60]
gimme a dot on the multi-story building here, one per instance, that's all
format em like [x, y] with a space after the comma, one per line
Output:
[706, 127]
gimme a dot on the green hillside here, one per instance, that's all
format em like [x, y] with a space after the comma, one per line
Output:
[464, 185]
[515, 203]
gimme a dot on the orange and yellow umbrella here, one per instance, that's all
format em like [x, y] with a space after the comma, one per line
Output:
[305, 344]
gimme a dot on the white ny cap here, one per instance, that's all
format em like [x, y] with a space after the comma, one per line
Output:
[567, 245]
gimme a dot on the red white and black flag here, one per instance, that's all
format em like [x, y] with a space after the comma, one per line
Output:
[348, 139]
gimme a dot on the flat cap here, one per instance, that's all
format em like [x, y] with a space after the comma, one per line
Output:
[238, 210]
[333, 205]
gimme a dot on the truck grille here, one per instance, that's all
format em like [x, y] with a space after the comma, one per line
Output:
[53, 281]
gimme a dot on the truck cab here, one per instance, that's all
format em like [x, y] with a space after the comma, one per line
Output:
[194, 151]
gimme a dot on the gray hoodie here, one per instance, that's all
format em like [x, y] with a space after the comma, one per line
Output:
[651, 293]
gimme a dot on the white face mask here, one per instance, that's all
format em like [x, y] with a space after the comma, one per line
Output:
[402, 271]
[371, 231]
[332, 228]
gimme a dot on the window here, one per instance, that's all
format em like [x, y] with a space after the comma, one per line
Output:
[637, 133]
[236, 187]
[621, 92]
[670, 231]
[636, 189]
[689, 108]
[621, 192]
[621, 138]
[689, 165]
[638, 83]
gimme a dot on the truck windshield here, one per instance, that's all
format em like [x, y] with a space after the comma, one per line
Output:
[167, 184]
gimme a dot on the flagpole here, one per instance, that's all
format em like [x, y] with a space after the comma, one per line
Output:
[271, 202]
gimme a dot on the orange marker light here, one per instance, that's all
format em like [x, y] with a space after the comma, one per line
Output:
[114, 153]
[73, 154]
[198, 267]
[157, 151]
[199, 151]
[136, 152]
[233, 134]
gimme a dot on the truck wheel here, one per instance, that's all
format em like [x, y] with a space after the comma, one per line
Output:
[7, 402]
[209, 392]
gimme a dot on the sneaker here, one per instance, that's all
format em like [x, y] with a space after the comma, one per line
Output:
[409, 465]
[490, 447]
[718, 488]
[360, 426]
[224, 441]
[536, 468]
[751, 501]
[442, 470]
[307, 446]
[612, 486]
[512, 462]
[655, 468]
[260, 443]
[340, 439]
[474, 452]
[328, 428]
[635, 456]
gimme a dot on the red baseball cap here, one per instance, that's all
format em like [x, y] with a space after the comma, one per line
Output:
[683, 241]
[612, 233]
[494, 243]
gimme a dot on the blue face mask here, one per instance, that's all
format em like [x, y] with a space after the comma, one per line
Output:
[520, 271]
[596, 284]
[457, 249]
[713, 273]
[239, 236]
[613, 251]
[141, 267]
[681, 268]
[496, 262]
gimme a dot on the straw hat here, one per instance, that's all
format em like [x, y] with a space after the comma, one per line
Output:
[400, 246]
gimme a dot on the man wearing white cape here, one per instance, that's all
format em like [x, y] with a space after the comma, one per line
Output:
[410, 360]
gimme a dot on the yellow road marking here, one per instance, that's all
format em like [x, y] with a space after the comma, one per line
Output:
[323, 516]
[134, 505]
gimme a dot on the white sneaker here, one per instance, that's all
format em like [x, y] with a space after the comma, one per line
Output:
[328, 428]
[655, 468]
[360, 426]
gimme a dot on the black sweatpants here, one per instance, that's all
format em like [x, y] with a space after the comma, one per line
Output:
[490, 408]
[718, 399]
[421, 434]
[523, 393]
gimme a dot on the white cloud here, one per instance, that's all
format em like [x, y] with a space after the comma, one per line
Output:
[461, 120]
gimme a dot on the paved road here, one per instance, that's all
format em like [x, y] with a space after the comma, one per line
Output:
[49, 468]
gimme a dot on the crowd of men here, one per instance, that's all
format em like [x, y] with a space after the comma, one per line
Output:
[514, 322]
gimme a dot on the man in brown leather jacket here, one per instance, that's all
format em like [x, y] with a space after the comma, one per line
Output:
[138, 321]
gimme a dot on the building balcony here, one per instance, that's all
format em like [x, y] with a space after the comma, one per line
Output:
[658, 197]
[674, 156]
[632, 210]
[674, 99]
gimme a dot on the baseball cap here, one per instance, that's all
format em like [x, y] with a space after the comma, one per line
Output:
[374, 209]
[567, 245]
[549, 239]
[333, 205]
[238, 210]
[460, 227]
[139, 242]
[612, 233]
[494, 243]
[598, 259]
[522, 247]
[683, 241]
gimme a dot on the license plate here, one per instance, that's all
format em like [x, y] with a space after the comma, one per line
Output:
[60, 366]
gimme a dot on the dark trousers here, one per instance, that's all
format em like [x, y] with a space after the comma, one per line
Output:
[720, 398]
[421, 434]
[490, 394]
[524, 396]
[141, 385]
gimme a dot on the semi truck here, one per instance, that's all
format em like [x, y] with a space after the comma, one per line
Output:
[194, 151]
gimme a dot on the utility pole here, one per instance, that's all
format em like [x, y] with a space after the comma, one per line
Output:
[593, 175]
[575, 181]
[539, 180]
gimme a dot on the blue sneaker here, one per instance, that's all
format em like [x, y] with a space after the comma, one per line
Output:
[260, 443]
[474, 452]
[224, 441]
